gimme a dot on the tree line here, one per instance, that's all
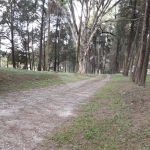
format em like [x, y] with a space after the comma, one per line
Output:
[94, 35]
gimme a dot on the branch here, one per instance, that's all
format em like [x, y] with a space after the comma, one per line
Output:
[4, 36]
[105, 31]
[68, 18]
[123, 19]
[112, 6]
[73, 17]
[108, 33]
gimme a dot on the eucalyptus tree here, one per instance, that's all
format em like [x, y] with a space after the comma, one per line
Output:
[53, 17]
[84, 24]
[43, 12]
[141, 68]
[134, 19]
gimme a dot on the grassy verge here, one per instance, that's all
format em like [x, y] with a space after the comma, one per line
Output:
[14, 80]
[116, 118]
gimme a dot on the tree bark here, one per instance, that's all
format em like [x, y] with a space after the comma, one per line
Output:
[133, 51]
[29, 58]
[144, 43]
[145, 65]
[41, 38]
[47, 47]
[33, 66]
[82, 65]
[12, 36]
[117, 56]
[56, 43]
[78, 44]
[131, 37]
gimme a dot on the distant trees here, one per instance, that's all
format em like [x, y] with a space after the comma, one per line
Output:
[95, 36]
[85, 26]
[15, 23]
[28, 27]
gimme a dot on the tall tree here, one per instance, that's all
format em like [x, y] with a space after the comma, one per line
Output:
[41, 36]
[90, 17]
[139, 67]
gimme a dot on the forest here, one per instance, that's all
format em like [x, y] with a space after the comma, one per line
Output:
[81, 36]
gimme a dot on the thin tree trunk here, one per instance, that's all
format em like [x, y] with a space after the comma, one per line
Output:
[56, 37]
[131, 36]
[29, 59]
[25, 47]
[44, 68]
[41, 38]
[33, 66]
[47, 47]
[12, 36]
[59, 42]
[117, 55]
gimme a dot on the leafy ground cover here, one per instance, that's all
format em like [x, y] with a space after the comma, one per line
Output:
[116, 118]
[14, 80]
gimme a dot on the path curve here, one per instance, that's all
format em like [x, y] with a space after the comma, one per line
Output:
[27, 116]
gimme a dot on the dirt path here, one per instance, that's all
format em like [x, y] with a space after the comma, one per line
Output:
[27, 116]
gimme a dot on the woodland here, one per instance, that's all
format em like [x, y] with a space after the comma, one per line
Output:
[81, 36]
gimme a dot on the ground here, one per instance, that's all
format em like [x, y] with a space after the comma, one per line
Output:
[26, 117]
[117, 117]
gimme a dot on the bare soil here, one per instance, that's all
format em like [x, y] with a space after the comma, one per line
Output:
[26, 117]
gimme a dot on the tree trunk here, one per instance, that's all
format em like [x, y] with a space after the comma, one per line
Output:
[12, 36]
[56, 37]
[44, 67]
[47, 48]
[33, 66]
[144, 43]
[25, 47]
[41, 38]
[117, 56]
[77, 66]
[133, 51]
[82, 66]
[58, 53]
[131, 36]
[145, 65]
[29, 58]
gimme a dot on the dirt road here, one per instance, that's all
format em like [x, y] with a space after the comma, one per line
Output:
[27, 116]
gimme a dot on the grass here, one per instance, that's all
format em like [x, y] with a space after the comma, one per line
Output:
[116, 118]
[14, 80]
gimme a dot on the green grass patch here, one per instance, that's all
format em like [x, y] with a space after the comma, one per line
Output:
[148, 80]
[107, 122]
[14, 79]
